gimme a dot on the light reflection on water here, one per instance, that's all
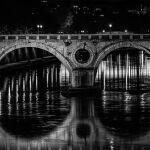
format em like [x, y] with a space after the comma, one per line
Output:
[35, 115]
[112, 120]
[30, 108]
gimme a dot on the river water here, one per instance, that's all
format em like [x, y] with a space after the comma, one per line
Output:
[35, 115]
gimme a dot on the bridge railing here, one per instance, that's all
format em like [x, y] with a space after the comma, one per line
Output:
[104, 37]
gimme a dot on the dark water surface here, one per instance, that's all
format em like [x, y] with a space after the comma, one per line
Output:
[35, 115]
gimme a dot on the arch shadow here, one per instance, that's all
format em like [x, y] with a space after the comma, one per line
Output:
[42, 46]
[112, 47]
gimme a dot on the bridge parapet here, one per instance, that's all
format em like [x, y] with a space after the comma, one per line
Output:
[105, 37]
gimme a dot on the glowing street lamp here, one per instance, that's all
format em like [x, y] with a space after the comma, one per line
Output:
[110, 26]
[125, 30]
[103, 30]
[39, 26]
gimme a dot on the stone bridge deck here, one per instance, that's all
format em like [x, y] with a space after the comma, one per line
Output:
[105, 36]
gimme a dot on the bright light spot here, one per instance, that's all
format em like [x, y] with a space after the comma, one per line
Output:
[125, 30]
[82, 31]
[103, 31]
[60, 32]
[39, 26]
[110, 25]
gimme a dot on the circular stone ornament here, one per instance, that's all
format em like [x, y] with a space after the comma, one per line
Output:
[82, 56]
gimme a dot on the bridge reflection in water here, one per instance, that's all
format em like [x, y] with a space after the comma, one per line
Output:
[111, 121]
[34, 115]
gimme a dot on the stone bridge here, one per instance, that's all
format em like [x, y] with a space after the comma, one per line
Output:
[80, 53]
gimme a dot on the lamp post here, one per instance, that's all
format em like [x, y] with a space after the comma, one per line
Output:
[39, 26]
[110, 26]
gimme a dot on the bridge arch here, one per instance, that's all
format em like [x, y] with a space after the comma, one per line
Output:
[49, 48]
[119, 45]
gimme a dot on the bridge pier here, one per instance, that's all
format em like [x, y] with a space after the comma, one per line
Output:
[83, 77]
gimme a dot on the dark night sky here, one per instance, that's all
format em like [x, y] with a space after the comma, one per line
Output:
[23, 6]
[14, 8]
[31, 12]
